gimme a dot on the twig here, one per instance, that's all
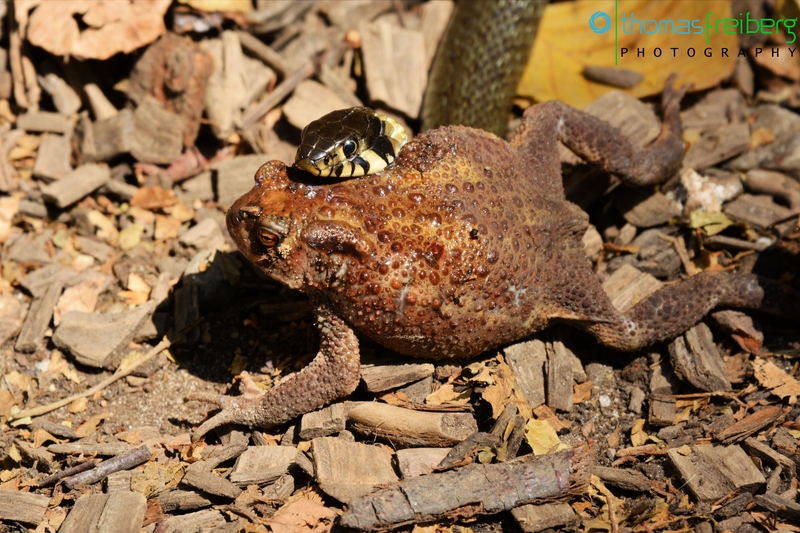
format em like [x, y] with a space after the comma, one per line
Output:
[280, 92]
[125, 461]
[120, 373]
[71, 471]
[15, 58]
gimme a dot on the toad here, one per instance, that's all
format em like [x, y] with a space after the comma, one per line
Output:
[466, 244]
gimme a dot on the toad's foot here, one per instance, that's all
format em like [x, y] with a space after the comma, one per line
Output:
[332, 374]
[675, 308]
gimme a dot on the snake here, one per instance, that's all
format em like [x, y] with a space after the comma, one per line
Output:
[473, 79]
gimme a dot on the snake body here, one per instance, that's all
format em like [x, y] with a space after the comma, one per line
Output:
[479, 63]
[473, 80]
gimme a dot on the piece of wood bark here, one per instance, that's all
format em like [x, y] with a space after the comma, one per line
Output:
[182, 500]
[535, 518]
[264, 52]
[43, 458]
[44, 121]
[323, 422]
[76, 185]
[417, 392]
[776, 184]
[527, 360]
[96, 339]
[780, 506]
[105, 449]
[463, 492]
[406, 427]
[716, 146]
[760, 211]
[662, 411]
[559, 373]
[236, 176]
[751, 424]
[310, 101]
[262, 464]
[38, 319]
[339, 84]
[712, 472]
[765, 453]
[392, 53]
[24, 507]
[645, 208]
[623, 478]
[414, 462]
[64, 97]
[110, 137]
[157, 133]
[210, 483]
[117, 512]
[38, 281]
[734, 506]
[347, 470]
[379, 378]
[716, 109]
[52, 158]
[697, 360]
[628, 286]
[205, 520]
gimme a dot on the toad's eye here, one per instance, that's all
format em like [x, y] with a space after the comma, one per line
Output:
[268, 237]
[349, 147]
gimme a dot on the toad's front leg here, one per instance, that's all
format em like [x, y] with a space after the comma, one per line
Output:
[332, 374]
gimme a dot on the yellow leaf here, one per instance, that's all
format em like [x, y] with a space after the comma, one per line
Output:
[446, 394]
[638, 434]
[712, 223]
[78, 406]
[566, 44]
[542, 438]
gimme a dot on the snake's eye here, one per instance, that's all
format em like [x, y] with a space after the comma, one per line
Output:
[268, 237]
[327, 160]
[349, 147]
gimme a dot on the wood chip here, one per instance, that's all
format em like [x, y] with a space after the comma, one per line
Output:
[210, 483]
[112, 136]
[760, 211]
[44, 121]
[535, 518]
[390, 54]
[662, 411]
[782, 507]
[379, 378]
[310, 101]
[95, 338]
[613, 76]
[347, 470]
[559, 374]
[623, 478]
[751, 424]
[697, 360]
[414, 462]
[76, 185]
[405, 427]
[628, 286]
[52, 159]
[38, 319]
[262, 464]
[645, 208]
[236, 176]
[527, 360]
[157, 133]
[473, 489]
[712, 472]
[323, 422]
[117, 512]
[182, 500]
[22, 507]
[771, 457]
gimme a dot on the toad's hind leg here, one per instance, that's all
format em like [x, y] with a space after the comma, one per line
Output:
[675, 308]
[598, 142]
[332, 374]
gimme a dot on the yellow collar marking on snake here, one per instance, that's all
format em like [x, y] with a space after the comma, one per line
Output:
[349, 143]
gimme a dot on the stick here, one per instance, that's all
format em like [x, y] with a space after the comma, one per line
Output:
[121, 373]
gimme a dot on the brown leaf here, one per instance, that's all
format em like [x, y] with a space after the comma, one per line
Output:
[582, 392]
[771, 377]
[90, 426]
[153, 198]
[302, 516]
[113, 26]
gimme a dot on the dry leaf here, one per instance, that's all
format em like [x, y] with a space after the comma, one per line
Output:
[81, 297]
[771, 377]
[109, 27]
[9, 206]
[582, 392]
[153, 198]
[447, 394]
[542, 438]
[712, 223]
[302, 516]
[78, 406]
[566, 44]
[90, 426]
[166, 227]
[638, 435]
[243, 6]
